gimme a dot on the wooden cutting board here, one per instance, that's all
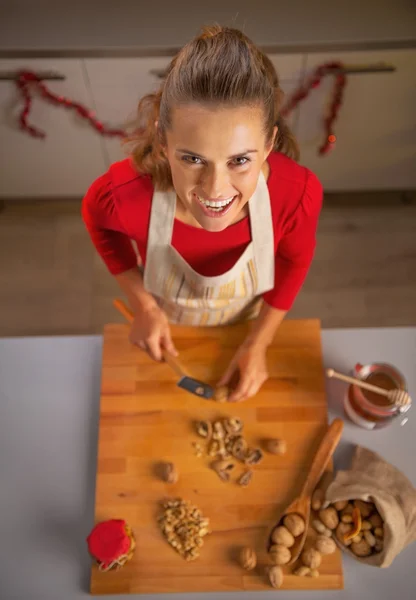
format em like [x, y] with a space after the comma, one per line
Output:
[145, 418]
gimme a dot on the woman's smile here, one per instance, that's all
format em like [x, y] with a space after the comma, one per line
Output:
[215, 208]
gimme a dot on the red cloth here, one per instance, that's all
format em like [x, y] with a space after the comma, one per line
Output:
[116, 211]
[108, 541]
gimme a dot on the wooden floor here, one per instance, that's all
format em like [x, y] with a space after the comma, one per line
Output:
[53, 282]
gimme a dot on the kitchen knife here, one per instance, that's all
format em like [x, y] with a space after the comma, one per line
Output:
[203, 390]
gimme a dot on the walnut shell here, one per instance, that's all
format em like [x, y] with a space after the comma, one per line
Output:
[275, 575]
[325, 545]
[279, 555]
[363, 548]
[253, 457]
[245, 478]
[329, 517]
[248, 558]
[295, 523]
[281, 535]
[223, 469]
[276, 446]
[311, 558]
[204, 429]
[365, 508]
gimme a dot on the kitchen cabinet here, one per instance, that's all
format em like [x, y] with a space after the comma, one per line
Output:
[69, 158]
[376, 127]
[118, 84]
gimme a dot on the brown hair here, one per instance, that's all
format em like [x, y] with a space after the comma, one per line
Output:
[222, 67]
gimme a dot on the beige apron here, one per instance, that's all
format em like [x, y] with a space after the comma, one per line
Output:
[189, 298]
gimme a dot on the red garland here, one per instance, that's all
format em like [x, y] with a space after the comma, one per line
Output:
[314, 82]
[27, 80]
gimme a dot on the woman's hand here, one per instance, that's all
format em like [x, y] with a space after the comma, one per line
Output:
[249, 363]
[151, 332]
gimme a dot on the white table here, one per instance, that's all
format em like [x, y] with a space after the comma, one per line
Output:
[49, 405]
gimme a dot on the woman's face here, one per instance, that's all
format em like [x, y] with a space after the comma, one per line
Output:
[215, 157]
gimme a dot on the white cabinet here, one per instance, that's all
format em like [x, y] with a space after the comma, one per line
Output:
[64, 163]
[376, 127]
[118, 84]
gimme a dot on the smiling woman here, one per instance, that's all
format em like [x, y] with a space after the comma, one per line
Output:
[223, 218]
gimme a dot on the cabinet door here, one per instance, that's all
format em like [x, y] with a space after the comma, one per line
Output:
[376, 133]
[118, 84]
[290, 70]
[70, 157]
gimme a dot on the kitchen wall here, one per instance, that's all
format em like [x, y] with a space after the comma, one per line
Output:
[89, 24]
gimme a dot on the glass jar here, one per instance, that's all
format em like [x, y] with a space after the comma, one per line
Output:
[368, 409]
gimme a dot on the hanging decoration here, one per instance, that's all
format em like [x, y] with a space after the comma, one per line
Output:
[331, 68]
[29, 84]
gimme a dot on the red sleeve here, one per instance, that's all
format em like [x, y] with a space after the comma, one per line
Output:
[100, 216]
[296, 247]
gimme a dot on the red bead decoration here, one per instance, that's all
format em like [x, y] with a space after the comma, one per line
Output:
[29, 83]
[331, 68]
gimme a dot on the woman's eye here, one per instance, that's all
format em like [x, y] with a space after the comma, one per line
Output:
[193, 160]
[240, 161]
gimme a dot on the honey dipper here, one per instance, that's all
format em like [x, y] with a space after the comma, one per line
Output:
[396, 397]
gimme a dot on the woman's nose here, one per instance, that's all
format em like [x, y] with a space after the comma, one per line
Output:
[215, 184]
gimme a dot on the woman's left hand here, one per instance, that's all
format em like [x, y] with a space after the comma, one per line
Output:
[249, 363]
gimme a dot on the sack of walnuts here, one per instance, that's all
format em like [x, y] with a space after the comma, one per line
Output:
[376, 500]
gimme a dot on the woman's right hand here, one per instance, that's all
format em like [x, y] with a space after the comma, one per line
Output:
[150, 331]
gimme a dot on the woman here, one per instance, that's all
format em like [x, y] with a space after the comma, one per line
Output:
[223, 218]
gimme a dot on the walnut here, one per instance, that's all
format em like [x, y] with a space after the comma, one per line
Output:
[325, 545]
[248, 558]
[279, 555]
[253, 457]
[361, 548]
[369, 538]
[302, 571]
[340, 505]
[365, 508]
[245, 478]
[169, 472]
[343, 529]
[313, 573]
[295, 523]
[204, 429]
[281, 535]
[376, 520]
[223, 469]
[276, 446]
[317, 499]
[275, 575]
[320, 528]
[218, 431]
[221, 393]
[329, 517]
[311, 558]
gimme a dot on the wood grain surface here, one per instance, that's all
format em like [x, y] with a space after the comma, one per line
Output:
[145, 418]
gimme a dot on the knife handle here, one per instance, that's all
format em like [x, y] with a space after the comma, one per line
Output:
[172, 361]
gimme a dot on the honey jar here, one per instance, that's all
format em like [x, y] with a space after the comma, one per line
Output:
[369, 409]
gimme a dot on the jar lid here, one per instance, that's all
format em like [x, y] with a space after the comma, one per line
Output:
[109, 540]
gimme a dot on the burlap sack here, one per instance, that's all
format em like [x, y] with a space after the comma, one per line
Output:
[372, 479]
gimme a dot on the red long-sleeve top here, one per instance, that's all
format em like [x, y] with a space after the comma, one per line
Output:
[113, 222]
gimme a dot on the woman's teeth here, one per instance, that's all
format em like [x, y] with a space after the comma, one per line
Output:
[215, 205]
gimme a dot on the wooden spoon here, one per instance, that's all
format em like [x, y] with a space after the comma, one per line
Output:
[396, 396]
[302, 504]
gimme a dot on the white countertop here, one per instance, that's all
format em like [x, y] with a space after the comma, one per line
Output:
[49, 407]
[58, 24]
